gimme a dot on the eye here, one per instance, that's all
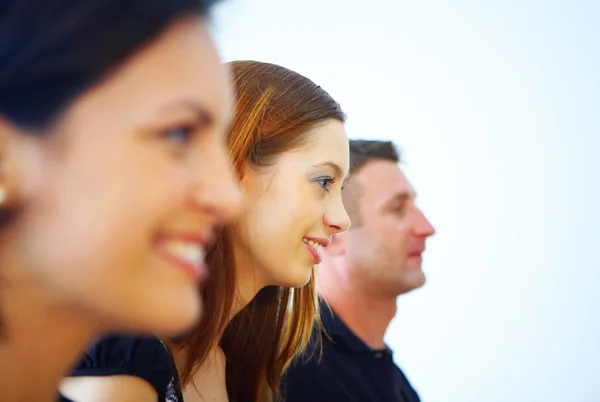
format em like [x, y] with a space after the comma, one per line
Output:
[178, 135]
[398, 209]
[326, 182]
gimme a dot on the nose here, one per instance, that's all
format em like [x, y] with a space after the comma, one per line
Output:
[336, 218]
[423, 227]
[216, 192]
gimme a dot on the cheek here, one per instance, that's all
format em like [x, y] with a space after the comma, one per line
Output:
[393, 239]
[266, 225]
[98, 221]
[401, 233]
[386, 239]
[273, 231]
[278, 218]
[281, 209]
[294, 218]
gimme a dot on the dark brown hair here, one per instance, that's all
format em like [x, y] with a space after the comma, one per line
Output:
[275, 111]
[60, 49]
[361, 153]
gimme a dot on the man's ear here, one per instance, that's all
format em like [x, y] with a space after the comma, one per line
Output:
[337, 245]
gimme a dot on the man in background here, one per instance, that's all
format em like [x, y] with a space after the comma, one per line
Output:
[363, 272]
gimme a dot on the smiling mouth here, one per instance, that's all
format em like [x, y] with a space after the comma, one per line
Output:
[315, 250]
[187, 255]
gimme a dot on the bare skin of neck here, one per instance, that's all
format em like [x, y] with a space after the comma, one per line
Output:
[367, 315]
[39, 344]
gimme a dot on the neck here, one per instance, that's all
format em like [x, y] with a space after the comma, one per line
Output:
[249, 280]
[40, 342]
[246, 290]
[247, 287]
[365, 315]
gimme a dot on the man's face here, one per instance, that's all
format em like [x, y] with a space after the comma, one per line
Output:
[384, 250]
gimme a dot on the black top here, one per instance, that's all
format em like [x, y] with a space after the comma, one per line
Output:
[143, 357]
[348, 371]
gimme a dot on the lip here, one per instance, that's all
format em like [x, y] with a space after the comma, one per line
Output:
[323, 242]
[197, 270]
[416, 254]
[315, 255]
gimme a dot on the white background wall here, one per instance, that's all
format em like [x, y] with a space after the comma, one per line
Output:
[496, 105]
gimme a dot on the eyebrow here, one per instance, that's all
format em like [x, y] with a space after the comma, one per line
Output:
[400, 196]
[203, 116]
[338, 170]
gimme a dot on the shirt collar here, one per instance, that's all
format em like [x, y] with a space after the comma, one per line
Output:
[341, 334]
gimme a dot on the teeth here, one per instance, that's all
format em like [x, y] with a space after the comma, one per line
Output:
[318, 247]
[193, 253]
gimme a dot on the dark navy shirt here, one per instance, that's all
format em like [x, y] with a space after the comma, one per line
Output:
[145, 357]
[348, 370]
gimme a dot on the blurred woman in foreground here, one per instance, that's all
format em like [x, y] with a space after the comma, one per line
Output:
[113, 176]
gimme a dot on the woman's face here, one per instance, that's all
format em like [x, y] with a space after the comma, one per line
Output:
[292, 210]
[120, 199]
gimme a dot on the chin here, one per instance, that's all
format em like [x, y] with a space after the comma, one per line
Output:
[168, 325]
[409, 280]
[413, 283]
[296, 277]
[163, 316]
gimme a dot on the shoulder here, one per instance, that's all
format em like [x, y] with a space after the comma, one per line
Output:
[144, 357]
[406, 385]
[112, 388]
[306, 378]
[124, 351]
[133, 352]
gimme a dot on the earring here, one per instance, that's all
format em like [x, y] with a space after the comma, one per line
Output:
[2, 194]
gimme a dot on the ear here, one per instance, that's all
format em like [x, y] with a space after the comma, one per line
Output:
[250, 179]
[337, 246]
[255, 180]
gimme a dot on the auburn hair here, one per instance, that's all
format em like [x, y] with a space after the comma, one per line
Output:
[275, 111]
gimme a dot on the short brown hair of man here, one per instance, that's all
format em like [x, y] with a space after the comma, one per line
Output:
[361, 153]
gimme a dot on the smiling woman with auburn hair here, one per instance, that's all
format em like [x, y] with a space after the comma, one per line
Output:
[290, 151]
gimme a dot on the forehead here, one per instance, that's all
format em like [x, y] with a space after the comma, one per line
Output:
[182, 63]
[380, 180]
[327, 143]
